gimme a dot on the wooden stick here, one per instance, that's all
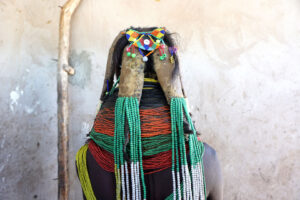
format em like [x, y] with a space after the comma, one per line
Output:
[63, 70]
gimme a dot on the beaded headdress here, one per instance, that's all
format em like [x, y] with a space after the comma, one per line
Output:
[147, 41]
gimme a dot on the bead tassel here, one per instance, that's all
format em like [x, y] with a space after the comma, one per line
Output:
[193, 183]
[128, 107]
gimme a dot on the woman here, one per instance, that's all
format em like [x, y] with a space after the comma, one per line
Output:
[143, 143]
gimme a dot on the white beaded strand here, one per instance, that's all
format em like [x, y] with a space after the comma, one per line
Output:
[193, 183]
[188, 180]
[178, 185]
[132, 180]
[197, 183]
[202, 193]
[123, 182]
[174, 184]
[136, 183]
[127, 181]
[184, 186]
[138, 180]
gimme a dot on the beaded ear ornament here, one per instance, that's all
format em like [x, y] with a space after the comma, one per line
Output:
[148, 41]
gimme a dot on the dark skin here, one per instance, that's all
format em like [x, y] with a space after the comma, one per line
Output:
[104, 182]
[213, 174]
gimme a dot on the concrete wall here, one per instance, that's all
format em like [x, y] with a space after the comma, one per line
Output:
[241, 68]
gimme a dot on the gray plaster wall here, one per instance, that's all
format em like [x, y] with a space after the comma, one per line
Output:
[241, 69]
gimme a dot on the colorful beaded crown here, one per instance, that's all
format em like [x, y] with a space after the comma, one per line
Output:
[148, 41]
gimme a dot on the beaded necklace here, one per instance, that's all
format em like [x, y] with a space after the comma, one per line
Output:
[187, 184]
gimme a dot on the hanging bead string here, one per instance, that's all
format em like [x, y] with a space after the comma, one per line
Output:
[175, 162]
[197, 166]
[145, 58]
[136, 115]
[162, 52]
[132, 155]
[193, 184]
[131, 51]
[83, 173]
[119, 129]
[177, 129]
[186, 185]
[186, 188]
[197, 148]
[128, 107]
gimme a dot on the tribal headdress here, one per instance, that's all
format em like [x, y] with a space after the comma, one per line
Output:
[134, 139]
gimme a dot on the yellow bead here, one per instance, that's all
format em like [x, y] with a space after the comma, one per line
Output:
[172, 59]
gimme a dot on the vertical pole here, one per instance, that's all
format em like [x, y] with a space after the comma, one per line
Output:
[63, 71]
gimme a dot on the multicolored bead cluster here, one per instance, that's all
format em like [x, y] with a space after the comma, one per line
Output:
[148, 41]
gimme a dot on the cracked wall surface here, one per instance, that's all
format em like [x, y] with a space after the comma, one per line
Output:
[241, 72]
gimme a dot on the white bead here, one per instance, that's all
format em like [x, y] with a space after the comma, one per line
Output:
[138, 181]
[174, 185]
[145, 58]
[146, 42]
[127, 181]
[123, 182]
[178, 185]
[158, 41]
[132, 180]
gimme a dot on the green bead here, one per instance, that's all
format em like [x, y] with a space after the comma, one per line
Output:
[164, 55]
[133, 55]
[128, 54]
[161, 57]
